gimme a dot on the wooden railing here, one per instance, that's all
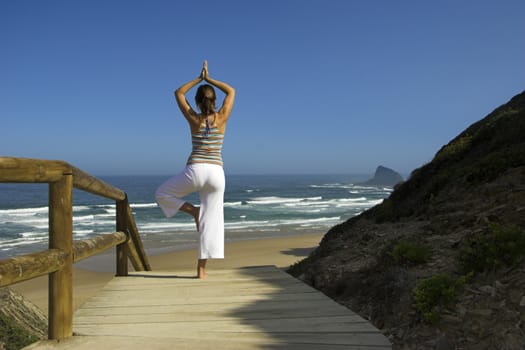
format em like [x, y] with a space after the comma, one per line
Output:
[57, 261]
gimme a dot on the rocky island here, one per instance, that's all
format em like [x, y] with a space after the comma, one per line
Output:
[384, 177]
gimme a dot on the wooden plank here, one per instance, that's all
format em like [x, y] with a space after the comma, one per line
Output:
[146, 278]
[168, 331]
[133, 283]
[177, 283]
[221, 329]
[248, 271]
[91, 184]
[141, 342]
[217, 275]
[341, 323]
[208, 316]
[29, 266]
[311, 297]
[32, 170]
[227, 307]
[247, 308]
[210, 288]
[88, 247]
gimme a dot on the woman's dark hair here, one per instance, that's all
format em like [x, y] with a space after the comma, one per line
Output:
[205, 99]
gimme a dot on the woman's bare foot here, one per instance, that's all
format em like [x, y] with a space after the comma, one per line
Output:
[201, 269]
[202, 274]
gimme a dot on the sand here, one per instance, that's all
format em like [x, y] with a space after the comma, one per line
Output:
[92, 274]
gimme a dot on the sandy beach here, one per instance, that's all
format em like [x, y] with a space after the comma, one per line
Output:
[91, 275]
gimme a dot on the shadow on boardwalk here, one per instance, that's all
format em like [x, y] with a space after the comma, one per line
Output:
[296, 316]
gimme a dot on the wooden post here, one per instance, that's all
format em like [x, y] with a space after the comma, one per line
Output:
[122, 249]
[137, 245]
[61, 237]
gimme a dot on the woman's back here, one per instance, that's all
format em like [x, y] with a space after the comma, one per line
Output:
[207, 143]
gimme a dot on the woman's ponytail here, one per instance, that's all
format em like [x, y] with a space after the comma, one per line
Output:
[205, 99]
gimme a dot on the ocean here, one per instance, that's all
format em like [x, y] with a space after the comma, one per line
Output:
[255, 206]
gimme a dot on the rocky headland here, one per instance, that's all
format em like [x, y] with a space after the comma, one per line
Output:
[440, 264]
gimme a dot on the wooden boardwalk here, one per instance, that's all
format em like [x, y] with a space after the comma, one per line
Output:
[249, 308]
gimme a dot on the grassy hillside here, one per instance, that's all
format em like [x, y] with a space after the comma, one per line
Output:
[441, 262]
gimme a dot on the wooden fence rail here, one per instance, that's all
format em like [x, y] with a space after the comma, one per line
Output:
[57, 261]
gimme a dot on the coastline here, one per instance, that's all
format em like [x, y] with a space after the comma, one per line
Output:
[91, 275]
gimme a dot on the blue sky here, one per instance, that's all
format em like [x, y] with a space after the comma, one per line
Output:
[325, 86]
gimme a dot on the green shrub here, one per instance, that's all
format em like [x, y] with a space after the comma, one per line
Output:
[14, 336]
[498, 246]
[408, 253]
[454, 149]
[432, 295]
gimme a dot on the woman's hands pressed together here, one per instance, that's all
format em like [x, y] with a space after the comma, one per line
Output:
[204, 72]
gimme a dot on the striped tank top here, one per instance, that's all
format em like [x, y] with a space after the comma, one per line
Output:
[207, 146]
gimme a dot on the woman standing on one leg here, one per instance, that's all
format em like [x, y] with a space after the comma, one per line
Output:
[203, 172]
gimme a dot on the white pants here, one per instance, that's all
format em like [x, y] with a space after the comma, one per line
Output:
[208, 180]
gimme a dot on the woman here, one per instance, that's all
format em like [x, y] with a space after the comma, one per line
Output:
[203, 172]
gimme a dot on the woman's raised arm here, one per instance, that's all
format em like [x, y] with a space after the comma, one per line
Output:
[229, 91]
[180, 96]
